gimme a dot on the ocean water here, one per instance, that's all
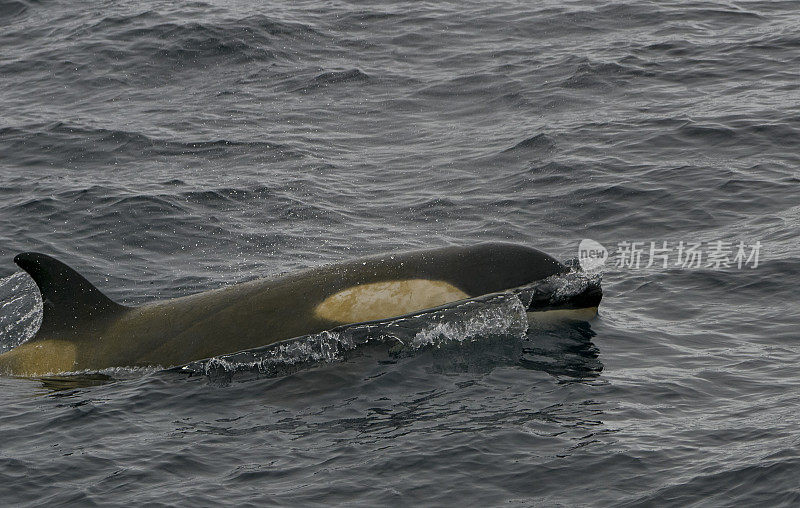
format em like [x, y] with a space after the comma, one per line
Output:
[165, 148]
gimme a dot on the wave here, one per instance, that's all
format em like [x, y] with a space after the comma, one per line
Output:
[148, 48]
[591, 74]
[328, 78]
[538, 144]
[60, 143]
[10, 9]
[742, 135]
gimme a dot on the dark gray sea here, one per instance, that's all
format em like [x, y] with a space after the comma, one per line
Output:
[166, 148]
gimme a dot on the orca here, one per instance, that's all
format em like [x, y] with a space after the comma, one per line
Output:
[84, 330]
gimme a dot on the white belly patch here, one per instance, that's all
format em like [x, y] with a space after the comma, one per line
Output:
[381, 300]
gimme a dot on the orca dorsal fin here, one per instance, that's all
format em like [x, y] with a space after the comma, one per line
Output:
[68, 299]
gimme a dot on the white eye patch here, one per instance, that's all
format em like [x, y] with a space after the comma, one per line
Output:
[381, 300]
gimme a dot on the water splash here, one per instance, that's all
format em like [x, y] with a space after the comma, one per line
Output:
[492, 315]
[558, 289]
[498, 314]
[503, 315]
[280, 359]
[20, 310]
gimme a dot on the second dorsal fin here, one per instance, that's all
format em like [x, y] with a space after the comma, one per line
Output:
[69, 300]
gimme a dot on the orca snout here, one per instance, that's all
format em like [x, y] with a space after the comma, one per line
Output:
[551, 296]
